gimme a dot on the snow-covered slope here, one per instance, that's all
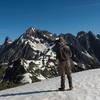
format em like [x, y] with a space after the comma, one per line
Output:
[86, 87]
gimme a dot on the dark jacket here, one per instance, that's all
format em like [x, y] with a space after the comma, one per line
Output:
[63, 52]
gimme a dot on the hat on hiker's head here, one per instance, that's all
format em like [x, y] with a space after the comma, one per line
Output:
[61, 39]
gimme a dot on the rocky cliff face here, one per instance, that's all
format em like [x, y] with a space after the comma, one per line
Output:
[31, 57]
[84, 57]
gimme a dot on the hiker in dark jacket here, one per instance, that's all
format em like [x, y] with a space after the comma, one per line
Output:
[63, 55]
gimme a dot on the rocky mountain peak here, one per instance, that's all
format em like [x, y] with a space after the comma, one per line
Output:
[7, 41]
[98, 36]
[35, 48]
[37, 33]
[30, 30]
[81, 34]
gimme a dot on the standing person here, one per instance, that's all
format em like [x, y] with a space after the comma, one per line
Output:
[63, 56]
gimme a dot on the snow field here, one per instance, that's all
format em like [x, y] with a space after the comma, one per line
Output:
[86, 87]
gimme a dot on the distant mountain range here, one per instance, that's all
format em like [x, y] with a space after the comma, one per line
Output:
[31, 57]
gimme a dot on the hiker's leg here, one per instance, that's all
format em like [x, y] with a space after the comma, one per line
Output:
[68, 72]
[70, 81]
[62, 74]
[63, 81]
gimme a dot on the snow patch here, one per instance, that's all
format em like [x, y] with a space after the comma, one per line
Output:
[51, 63]
[11, 66]
[87, 54]
[51, 54]
[75, 63]
[27, 78]
[45, 36]
[39, 63]
[51, 34]
[37, 46]
[26, 63]
[41, 77]
[57, 38]
[83, 66]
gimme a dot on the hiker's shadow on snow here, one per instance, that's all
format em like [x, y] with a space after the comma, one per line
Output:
[27, 93]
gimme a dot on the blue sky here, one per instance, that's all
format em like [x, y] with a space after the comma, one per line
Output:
[57, 16]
